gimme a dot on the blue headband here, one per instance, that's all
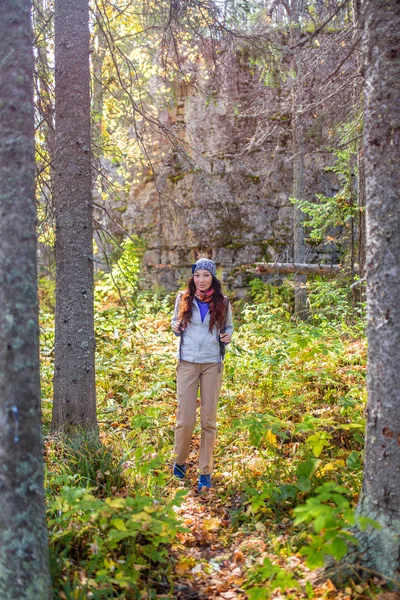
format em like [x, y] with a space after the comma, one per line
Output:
[206, 264]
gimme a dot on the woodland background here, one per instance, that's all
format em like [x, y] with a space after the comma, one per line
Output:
[254, 132]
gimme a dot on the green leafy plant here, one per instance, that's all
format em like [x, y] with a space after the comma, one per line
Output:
[116, 542]
[269, 577]
[123, 277]
[332, 518]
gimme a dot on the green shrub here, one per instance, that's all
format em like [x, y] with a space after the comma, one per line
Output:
[113, 544]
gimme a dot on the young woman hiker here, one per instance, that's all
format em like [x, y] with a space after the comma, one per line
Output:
[203, 321]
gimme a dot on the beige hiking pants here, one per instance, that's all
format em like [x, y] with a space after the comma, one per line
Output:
[189, 377]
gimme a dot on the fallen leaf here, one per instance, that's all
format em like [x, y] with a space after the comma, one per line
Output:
[229, 595]
[238, 557]
[197, 569]
[214, 565]
[330, 585]
[182, 567]
[348, 590]
[211, 524]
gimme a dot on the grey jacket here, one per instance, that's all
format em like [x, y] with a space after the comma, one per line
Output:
[198, 344]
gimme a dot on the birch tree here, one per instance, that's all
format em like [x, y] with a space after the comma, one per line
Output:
[24, 568]
[74, 377]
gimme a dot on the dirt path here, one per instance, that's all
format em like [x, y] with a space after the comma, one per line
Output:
[209, 558]
[208, 563]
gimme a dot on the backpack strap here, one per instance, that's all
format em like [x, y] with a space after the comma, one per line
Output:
[222, 330]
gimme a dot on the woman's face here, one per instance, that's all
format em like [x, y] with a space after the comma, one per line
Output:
[202, 280]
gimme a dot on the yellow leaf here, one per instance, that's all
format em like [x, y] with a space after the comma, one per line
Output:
[327, 467]
[109, 564]
[116, 502]
[333, 465]
[211, 524]
[141, 516]
[118, 524]
[182, 567]
[271, 438]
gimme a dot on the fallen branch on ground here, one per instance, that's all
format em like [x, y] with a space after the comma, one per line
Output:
[285, 268]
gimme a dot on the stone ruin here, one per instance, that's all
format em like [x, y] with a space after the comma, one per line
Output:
[221, 187]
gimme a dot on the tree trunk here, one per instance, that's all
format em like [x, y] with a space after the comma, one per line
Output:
[99, 52]
[361, 215]
[24, 566]
[380, 549]
[358, 94]
[44, 90]
[45, 134]
[299, 244]
[74, 377]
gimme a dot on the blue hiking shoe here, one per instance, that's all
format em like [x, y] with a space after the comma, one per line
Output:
[204, 482]
[179, 471]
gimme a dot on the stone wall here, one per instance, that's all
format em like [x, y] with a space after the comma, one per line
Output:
[215, 194]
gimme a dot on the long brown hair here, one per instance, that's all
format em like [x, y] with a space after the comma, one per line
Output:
[218, 305]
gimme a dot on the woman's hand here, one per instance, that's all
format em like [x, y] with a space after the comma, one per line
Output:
[225, 337]
[176, 327]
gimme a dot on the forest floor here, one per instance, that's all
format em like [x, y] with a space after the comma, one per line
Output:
[288, 461]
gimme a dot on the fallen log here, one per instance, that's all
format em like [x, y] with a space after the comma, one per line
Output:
[286, 268]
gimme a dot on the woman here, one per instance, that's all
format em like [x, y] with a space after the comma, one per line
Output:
[203, 320]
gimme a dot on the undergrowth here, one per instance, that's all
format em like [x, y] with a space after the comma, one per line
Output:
[289, 453]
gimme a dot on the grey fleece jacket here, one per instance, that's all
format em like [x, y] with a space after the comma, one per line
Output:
[199, 345]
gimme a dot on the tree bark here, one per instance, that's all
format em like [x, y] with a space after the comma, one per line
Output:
[24, 565]
[361, 214]
[358, 94]
[299, 244]
[74, 377]
[99, 52]
[380, 549]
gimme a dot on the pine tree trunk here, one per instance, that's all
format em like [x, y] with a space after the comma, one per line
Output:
[24, 566]
[74, 377]
[380, 549]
